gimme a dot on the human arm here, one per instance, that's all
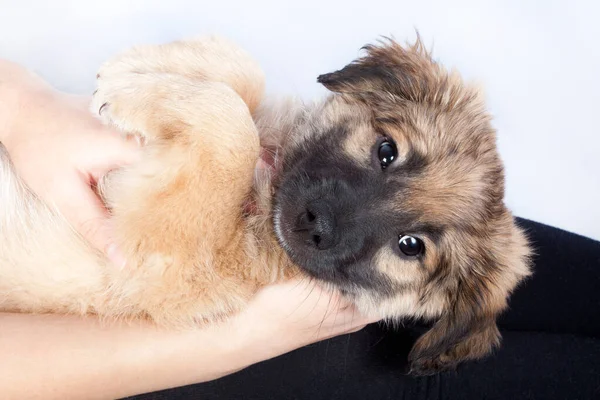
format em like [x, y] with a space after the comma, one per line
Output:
[62, 357]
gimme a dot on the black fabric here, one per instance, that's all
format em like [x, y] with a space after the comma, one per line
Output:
[550, 349]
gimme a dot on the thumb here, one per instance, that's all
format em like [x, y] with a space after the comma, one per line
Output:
[112, 150]
[90, 218]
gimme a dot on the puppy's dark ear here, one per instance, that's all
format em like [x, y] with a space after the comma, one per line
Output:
[406, 72]
[389, 73]
[468, 328]
[467, 331]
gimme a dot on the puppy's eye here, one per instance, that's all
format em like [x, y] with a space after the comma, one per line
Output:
[410, 245]
[387, 153]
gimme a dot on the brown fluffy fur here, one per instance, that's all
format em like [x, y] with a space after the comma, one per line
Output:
[194, 216]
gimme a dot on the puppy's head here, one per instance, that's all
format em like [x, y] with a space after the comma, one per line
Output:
[392, 191]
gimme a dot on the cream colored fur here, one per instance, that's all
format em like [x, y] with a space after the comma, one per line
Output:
[178, 212]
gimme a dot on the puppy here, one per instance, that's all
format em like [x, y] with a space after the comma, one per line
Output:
[390, 190]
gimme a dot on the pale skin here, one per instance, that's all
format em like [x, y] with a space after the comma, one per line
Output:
[60, 150]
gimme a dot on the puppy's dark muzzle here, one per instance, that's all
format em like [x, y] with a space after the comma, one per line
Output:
[316, 225]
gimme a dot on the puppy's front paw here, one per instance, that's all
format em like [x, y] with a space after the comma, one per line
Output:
[123, 100]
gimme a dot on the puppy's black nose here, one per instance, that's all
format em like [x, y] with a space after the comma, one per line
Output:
[317, 226]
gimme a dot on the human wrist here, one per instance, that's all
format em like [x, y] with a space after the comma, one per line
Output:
[244, 340]
[207, 353]
[256, 339]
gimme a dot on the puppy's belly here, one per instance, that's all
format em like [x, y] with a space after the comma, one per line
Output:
[44, 265]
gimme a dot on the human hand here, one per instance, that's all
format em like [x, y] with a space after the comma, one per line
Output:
[290, 315]
[61, 151]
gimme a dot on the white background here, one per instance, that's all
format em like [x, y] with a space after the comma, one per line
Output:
[539, 61]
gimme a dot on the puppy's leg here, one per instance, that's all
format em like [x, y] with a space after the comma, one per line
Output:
[207, 59]
[178, 212]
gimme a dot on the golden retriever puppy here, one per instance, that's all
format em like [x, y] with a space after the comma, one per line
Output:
[390, 190]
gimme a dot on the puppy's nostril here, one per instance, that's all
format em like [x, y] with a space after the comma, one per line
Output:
[306, 222]
[316, 226]
[316, 239]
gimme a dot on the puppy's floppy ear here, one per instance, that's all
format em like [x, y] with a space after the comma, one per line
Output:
[468, 329]
[409, 72]
[391, 72]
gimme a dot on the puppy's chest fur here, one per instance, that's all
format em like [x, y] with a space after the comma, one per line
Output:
[276, 123]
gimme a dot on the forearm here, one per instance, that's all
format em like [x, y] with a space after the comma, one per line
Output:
[17, 85]
[11, 75]
[51, 356]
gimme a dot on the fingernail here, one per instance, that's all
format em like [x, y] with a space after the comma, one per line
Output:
[115, 256]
